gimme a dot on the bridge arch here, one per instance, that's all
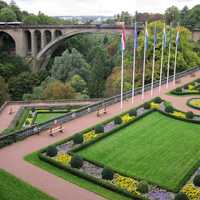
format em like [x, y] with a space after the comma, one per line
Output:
[7, 42]
[49, 48]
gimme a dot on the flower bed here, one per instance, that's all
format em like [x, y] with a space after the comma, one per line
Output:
[194, 103]
[188, 89]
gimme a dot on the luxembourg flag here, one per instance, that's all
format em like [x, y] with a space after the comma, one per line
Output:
[123, 40]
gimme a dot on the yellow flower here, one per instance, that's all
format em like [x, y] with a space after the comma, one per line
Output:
[126, 183]
[154, 105]
[192, 192]
[127, 118]
[89, 136]
[63, 158]
[178, 114]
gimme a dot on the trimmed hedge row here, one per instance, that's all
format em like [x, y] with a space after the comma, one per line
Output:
[100, 182]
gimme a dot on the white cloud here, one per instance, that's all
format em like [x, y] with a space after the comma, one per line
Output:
[99, 7]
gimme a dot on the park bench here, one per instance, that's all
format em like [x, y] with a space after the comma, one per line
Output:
[101, 111]
[193, 75]
[53, 131]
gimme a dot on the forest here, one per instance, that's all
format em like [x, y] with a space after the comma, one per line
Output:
[88, 65]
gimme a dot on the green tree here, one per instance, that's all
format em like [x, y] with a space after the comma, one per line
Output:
[58, 90]
[31, 20]
[78, 84]
[3, 4]
[3, 91]
[183, 15]
[193, 17]
[17, 11]
[23, 83]
[7, 15]
[68, 65]
[172, 15]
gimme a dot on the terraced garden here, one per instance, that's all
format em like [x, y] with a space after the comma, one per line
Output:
[150, 152]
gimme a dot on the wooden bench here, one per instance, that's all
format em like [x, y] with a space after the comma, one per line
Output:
[56, 130]
[101, 111]
[178, 81]
[193, 75]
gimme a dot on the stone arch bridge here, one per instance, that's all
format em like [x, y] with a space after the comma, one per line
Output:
[39, 42]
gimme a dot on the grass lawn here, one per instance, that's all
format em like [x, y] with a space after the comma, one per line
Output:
[156, 148]
[108, 194]
[43, 117]
[11, 188]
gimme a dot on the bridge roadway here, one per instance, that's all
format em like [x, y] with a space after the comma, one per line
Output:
[12, 157]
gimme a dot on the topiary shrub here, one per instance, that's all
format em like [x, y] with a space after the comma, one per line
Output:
[133, 113]
[99, 129]
[107, 174]
[33, 109]
[169, 109]
[143, 187]
[117, 120]
[196, 180]
[52, 151]
[189, 115]
[76, 162]
[77, 138]
[146, 105]
[157, 100]
[181, 196]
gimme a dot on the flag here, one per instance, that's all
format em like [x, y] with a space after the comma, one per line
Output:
[155, 38]
[164, 38]
[123, 40]
[177, 38]
[135, 37]
[146, 38]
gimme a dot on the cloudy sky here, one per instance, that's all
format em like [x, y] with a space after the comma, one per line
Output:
[98, 7]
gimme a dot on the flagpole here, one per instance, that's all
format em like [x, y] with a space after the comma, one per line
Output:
[153, 66]
[122, 78]
[176, 51]
[134, 55]
[144, 63]
[169, 57]
[161, 65]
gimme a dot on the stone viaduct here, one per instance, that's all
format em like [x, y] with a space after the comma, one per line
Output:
[37, 43]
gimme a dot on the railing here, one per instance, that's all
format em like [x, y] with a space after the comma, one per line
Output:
[88, 109]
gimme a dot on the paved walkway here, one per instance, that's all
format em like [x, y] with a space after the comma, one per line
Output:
[11, 157]
[6, 118]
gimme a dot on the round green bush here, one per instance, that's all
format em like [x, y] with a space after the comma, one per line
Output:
[143, 187]
[189, 115]
[196, 180]
[157, 100]
[117, 120]
[107, 174]
[133, 113]
[178, 90]
[52, 151]
[146, 105]
[181, 196]
[78, 139]
[99, 129]
[33, 109]
[169, 109]
[76, 162]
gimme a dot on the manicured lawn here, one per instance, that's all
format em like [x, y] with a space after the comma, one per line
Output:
[108, 194]
[11, 188]
[43, 117]
[156, 148]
